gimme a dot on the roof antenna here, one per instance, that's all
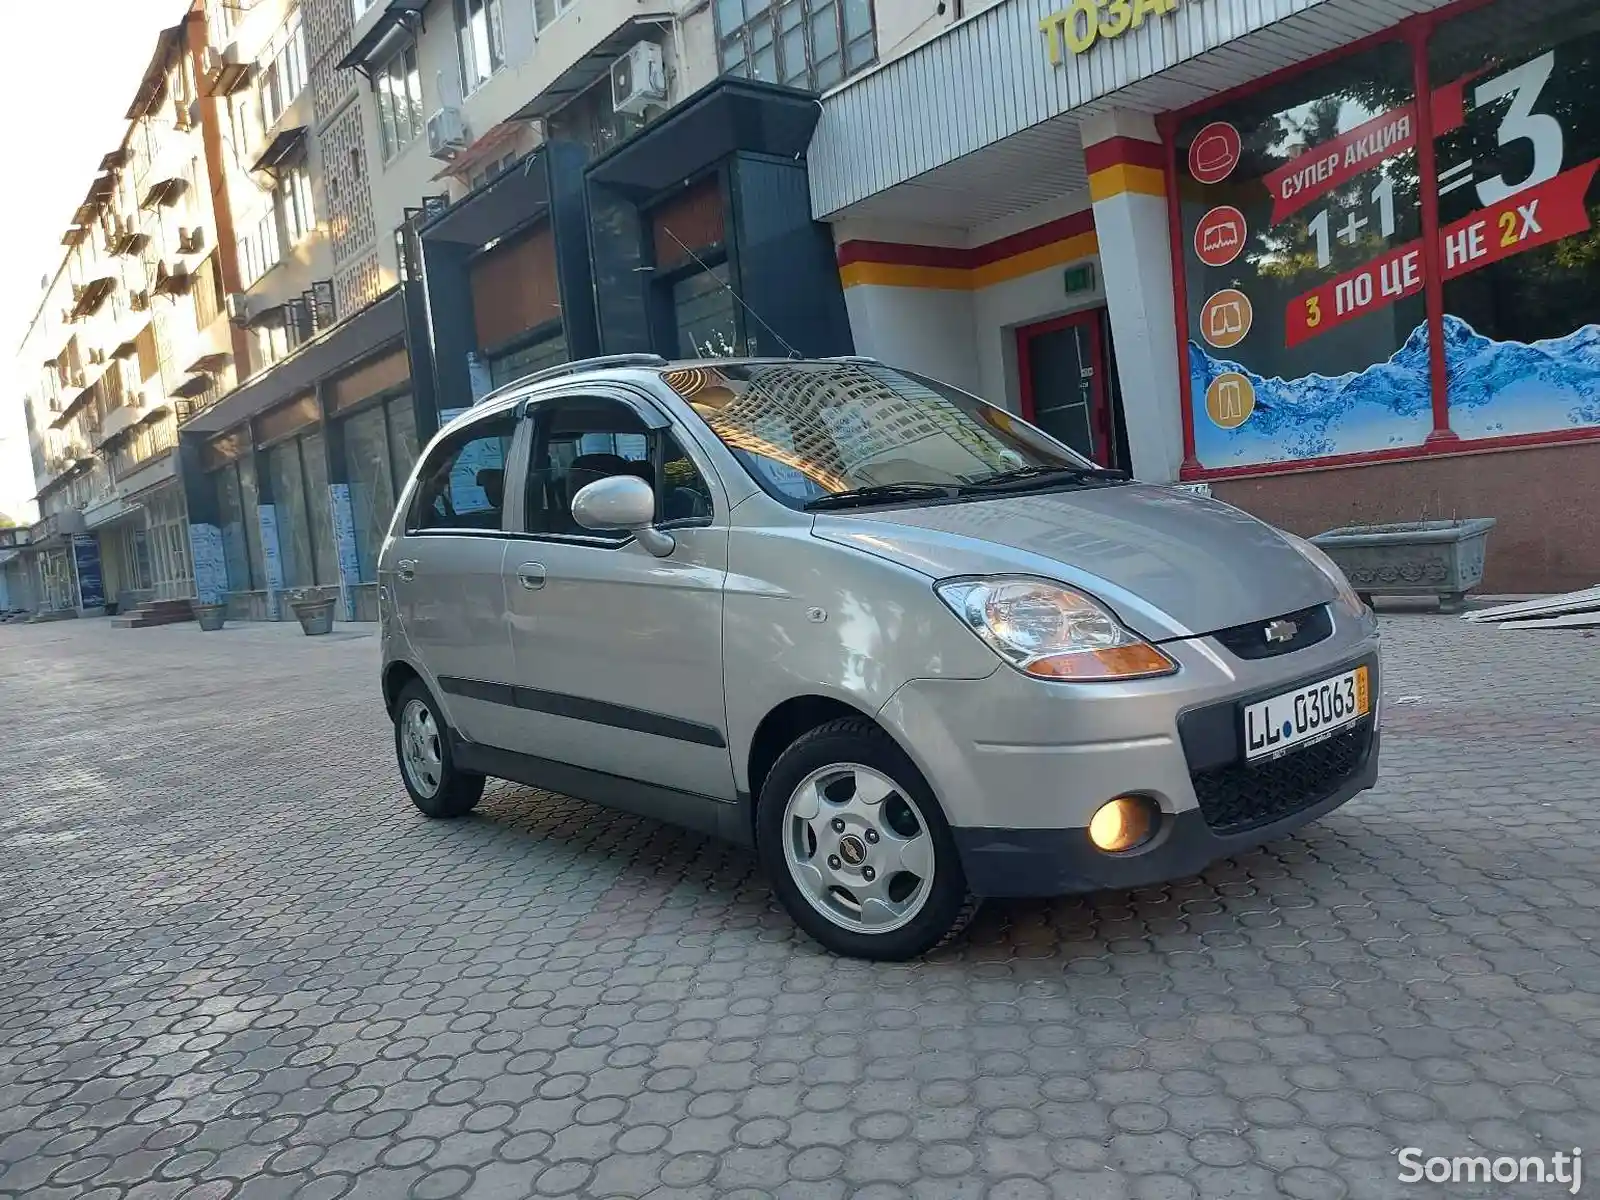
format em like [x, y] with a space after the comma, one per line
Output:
[792, 352]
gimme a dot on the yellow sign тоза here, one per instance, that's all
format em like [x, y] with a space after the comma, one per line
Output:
[1078, 26]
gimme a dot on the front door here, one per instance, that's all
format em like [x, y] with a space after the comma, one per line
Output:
[618, 653]
[1064, 379]
[446, 575]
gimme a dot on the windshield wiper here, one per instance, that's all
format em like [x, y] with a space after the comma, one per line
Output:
[881, 493]
[1026, 476]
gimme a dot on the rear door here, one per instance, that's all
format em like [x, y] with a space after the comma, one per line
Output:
[448, 580]
[618, 652]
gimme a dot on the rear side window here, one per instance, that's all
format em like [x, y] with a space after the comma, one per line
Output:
[462, 486]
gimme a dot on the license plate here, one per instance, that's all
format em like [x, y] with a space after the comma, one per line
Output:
[1305, 715]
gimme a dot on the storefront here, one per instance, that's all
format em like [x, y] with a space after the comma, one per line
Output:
[1348, 251]
[702, 236]
[498, 283]
[292, 478]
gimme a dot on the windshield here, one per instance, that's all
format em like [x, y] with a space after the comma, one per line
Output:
[809, 430]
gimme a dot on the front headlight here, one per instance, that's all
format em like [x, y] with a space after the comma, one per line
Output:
[1319, 559]
[1049, 631]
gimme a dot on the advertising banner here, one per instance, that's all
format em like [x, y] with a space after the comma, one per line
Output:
[1305, 265]
[86, 566]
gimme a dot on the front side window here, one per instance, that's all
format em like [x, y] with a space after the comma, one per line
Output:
[806, 431]
[803, 43]
[462, 487]
[581, 440]
[399, 88]
[478, 27]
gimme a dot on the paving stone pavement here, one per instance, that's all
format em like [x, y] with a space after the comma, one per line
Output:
[235, 962]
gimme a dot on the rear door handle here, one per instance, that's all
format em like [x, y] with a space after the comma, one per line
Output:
[531, 575]
[406, 569]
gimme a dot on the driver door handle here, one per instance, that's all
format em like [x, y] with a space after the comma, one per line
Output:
[406, 569]
[531, 575]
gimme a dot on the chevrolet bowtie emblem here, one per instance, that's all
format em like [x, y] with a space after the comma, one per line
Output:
[1281, 631]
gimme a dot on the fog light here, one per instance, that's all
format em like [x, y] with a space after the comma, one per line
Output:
[1124, 823]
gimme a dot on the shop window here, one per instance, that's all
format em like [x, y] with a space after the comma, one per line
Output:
[399, 87]
[803, 43]
[547, 351]
[703, 314]
[319, 506]
[233, 517]
[1301, 228]
[250, 498]
[1517, 144]
[402, 418]
[463, 485]
[289, 503]
[372, 490]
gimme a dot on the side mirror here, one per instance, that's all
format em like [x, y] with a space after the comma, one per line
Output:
[622, 502]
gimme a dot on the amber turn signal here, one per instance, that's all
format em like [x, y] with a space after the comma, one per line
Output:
[1135, 661]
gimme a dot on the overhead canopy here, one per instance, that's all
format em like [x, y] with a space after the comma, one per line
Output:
[286, 148]
[397, 21]
[514, 198]
[154, 81]
[722, 118]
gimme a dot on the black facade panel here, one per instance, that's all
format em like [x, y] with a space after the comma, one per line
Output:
[785, 266]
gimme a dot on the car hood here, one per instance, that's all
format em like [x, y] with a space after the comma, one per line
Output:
[1169, 563]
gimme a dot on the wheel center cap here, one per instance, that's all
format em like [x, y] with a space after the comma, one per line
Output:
[852, 850]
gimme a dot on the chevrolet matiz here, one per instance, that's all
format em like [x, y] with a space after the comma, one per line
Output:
[908, 646]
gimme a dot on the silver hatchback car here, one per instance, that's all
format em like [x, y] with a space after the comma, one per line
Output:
[911, 648]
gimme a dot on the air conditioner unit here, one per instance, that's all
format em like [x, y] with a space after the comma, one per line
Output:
[139, 301]
[447, 134]
[638, 79]
[238, 308]
[191, 241]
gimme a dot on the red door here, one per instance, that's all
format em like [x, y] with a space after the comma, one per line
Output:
[1063, 381]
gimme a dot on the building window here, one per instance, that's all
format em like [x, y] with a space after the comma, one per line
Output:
[1311, 330]
[803, 43]
[546, 11]
[299, 212]
[260, 250]
[399, 87]
[478, 26]
[207, 293]
[284, 75]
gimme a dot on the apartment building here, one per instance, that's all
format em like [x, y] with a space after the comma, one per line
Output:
[493, 186]
[130, 330]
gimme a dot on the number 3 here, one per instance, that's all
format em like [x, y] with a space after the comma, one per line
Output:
[1523, 84]
[1313, 312]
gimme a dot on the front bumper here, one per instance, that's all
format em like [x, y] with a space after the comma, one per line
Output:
[1020, 766]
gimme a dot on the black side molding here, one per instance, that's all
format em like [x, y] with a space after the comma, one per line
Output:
[725, 819]
[579, 708]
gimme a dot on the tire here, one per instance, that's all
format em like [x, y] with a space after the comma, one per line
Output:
[873, 873]
[427, 765]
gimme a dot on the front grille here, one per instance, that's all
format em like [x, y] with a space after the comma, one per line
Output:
[1249, 641]
[1241, 796]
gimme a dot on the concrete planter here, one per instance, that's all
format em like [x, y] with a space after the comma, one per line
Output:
[315, 616]
[210, 616]
[1412, 558]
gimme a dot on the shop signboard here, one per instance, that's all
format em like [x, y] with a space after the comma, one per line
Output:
[86, 565]
[1306, 267]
